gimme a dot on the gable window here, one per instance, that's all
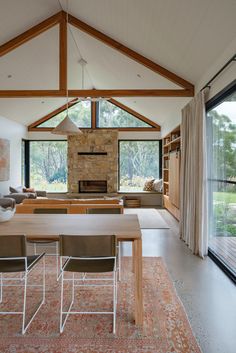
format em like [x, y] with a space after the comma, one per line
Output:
[103, 114]
[112, 116]
[47, 165]
[79, 113]
[139, 160]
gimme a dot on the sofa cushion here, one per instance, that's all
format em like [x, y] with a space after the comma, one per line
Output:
[29, 190]
[31, 195]
[7, 203]
[148, 185]
[157, 185]
[41, 193]
[18, 197]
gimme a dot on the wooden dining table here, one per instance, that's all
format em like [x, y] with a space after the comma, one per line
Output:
[49, 226]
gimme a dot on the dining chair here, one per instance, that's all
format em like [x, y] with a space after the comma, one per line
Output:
[88, 254]
[48, 243]
[110, 210]
[14, 259]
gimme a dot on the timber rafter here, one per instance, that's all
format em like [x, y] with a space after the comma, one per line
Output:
[60, 19]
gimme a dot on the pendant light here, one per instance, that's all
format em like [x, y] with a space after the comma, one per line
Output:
[83, 64]
[66, 126]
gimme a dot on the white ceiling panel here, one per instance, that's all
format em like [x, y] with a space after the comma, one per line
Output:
[17, 16]
[158, 109]
[33, 65]
[110, 69]
[185, 36]
[28, 110]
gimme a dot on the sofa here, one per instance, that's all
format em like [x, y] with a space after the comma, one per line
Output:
[72, 206]
[21, 193]
[7, 208]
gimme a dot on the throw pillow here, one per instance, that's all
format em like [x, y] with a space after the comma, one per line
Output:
[16, 190]
[31, 195]
[148, 185]
[157, 185]
[28, 190]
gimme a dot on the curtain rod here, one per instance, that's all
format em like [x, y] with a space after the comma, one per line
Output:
[219, 72]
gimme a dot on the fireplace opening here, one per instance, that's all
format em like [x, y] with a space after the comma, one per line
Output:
[92, 186]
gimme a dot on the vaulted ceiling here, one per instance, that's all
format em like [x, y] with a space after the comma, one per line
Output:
[184, 36]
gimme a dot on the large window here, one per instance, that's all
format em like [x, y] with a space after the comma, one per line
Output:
[138, 161]
[222, 179]
[111, 116]
[48, 165]
[79, 113]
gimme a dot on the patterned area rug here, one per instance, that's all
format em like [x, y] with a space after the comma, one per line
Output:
[166, 328]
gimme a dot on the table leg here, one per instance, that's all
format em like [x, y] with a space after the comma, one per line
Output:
[133, 256]
[138, 274]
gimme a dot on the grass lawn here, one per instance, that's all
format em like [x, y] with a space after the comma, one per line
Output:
[227, 197]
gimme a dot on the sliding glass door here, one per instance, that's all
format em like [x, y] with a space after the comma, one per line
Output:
[221, 118]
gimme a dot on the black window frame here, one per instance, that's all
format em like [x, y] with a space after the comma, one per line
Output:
[211, 104]
[27, 161]
[160, 157]
[149, 127]
[54, 115]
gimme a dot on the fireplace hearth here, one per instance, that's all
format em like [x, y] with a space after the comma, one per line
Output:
[92, 186]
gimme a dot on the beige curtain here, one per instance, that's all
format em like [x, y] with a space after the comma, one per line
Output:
[193, 179]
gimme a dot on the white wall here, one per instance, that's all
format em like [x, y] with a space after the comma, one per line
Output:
[225, 78]
[123, 135]
[14, 132]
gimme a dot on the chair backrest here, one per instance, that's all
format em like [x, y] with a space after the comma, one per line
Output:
[50, 210]
[104, 210]
[12, 246]
[88, 245]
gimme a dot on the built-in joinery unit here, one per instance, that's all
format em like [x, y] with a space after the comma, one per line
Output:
[171, 171]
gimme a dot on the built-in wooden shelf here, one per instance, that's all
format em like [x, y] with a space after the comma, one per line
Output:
[171, 143]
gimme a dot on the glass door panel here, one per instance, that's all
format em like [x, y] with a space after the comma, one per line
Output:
[222, 181]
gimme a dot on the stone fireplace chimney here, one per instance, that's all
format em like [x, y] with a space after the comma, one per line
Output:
[93, 156]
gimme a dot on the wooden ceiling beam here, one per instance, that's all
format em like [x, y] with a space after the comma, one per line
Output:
[97, 93]
[106, 93]
[31, 93]
[130, 53]
[60, 18]
[31, 33]
[63, 53]
[130, 93]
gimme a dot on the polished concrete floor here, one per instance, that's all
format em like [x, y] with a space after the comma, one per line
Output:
[208, 296]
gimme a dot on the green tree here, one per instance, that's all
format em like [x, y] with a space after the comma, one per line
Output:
[48, 164]
[112, 116]
[223, 147]
[79, 113]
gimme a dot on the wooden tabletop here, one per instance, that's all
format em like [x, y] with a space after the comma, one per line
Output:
[49, 226]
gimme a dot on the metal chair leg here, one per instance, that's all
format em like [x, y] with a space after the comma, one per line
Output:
[119, 261]
[25, 327]
[0, 287]
[114, 302]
